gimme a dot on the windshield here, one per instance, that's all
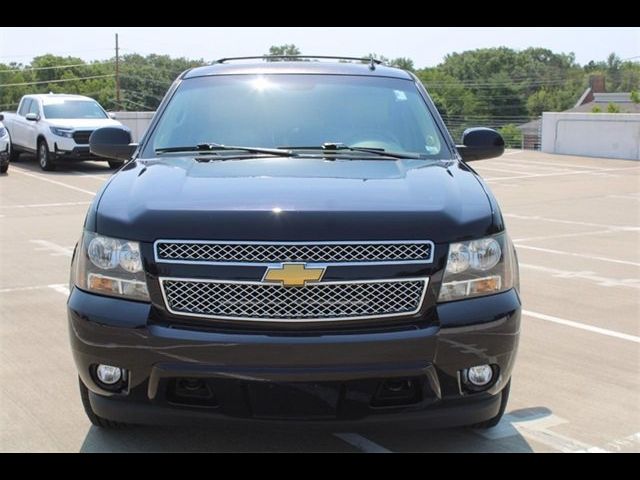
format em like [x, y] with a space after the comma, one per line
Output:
[73, 109]
[287, 111]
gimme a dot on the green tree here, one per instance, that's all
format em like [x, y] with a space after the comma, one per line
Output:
[289, 51]
[512, 135]
[503, 79]
[550, 100]
[457, 105]
[401, 62]
[143, 80]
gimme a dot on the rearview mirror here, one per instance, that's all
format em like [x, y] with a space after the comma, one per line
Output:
[112, 142]
[480, 143]
[32, 117]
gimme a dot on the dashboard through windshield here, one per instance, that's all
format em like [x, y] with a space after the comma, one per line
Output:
[287, 111]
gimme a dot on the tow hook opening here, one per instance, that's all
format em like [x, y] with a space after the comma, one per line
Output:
[194, 392]
[396, 392]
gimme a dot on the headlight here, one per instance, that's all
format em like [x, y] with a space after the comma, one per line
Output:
[110, 266]
[3, 132]
[62, 132]
[478, 267]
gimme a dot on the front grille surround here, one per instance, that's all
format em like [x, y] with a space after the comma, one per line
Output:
[221, 252]
[81, 137]
[294, 304]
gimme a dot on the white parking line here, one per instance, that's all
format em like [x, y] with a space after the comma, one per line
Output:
[557, 174]
[89, 175]
[631, 441]
[585, 275]
[480, 168]
[22, 171]
[60, 288]
[572, 254]
[56, 286]
[553, 164]
[582, 326]
[567, 235]
[626, 197]
[537, 427]
[55, 249]
[538, 167]
[46, 205]
[361, 443]
[569, 222]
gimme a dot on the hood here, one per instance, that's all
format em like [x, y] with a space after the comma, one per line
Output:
[294, 199]
[83, 123]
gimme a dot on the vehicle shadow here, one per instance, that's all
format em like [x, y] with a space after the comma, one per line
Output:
[298, 438]
[29, 162]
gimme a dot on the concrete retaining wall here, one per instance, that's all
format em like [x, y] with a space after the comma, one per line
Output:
[136, 121]
[609, 135]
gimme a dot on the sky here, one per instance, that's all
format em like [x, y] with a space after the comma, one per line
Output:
[427, 46]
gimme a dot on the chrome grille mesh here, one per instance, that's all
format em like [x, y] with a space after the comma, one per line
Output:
[320, 301]
[301, 252]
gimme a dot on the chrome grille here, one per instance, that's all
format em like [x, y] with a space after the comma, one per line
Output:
[317, 301]
[264, 253]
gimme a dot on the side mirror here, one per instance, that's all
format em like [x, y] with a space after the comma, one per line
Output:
[480, 143]
[112, 115]
[32, 117]
[1, 117]
[112, 142]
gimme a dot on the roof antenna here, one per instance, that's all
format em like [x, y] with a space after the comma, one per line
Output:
[372, 64]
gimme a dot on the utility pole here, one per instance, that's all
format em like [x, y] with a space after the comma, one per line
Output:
[117, 72]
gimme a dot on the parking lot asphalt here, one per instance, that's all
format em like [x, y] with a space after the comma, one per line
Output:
[576, 386]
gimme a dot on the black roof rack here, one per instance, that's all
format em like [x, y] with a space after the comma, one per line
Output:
[370, 60]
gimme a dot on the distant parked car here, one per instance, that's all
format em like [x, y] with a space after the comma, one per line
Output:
[5, 148]
[56, 127]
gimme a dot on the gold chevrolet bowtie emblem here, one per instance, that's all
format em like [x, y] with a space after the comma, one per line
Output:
[293, 274]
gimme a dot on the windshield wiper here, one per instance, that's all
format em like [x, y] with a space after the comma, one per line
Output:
[216, 147]
[337, 147]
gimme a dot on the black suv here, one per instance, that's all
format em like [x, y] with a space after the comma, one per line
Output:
[295, 240]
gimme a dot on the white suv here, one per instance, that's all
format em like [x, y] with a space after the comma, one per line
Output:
[5, 148]
[56, 127]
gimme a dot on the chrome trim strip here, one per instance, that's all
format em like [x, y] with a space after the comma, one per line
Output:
[288, 320]
[311, 264]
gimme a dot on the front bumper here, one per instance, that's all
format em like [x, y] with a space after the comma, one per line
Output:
[71, 152]
[312, 376]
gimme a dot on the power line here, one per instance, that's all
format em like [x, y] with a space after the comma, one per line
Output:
[147, 79]
[57, 81]
[138, 104]
[40, 54]
[31, 69]
[141, 95]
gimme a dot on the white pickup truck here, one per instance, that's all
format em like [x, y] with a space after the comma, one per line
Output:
[56, 127]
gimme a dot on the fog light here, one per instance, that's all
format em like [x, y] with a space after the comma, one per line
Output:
[108, 374]
[480, 375]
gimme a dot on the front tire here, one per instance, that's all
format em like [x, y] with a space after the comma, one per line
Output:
[45, 158]
[93, 418]
[14, 155]
[4, 168]
[492, 422]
